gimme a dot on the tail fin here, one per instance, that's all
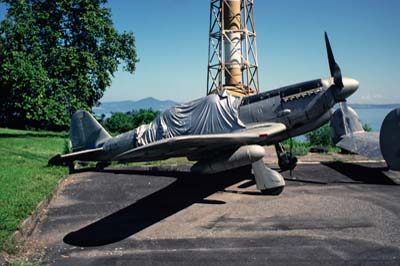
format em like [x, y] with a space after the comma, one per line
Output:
[85, 132]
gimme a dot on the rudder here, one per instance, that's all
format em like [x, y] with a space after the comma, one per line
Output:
[85, 132]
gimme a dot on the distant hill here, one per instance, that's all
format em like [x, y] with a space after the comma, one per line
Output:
[374, 106]
[126, 106]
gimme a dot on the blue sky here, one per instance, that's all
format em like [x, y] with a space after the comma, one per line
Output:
[172, 44]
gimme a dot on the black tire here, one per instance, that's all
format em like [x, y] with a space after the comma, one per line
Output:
[101, 165]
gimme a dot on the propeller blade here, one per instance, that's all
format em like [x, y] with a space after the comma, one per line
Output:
[350, 124]
[343, 108]
[331, 58]
[333, 66]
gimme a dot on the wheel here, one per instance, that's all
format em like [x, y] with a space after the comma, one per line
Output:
[101, 165]
[287, 161]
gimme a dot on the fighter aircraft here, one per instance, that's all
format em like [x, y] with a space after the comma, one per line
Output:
[220, 131]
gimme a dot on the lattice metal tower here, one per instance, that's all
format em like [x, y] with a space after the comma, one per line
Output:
[232, 51]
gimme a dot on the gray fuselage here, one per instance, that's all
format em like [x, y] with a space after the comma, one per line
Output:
[301, 107]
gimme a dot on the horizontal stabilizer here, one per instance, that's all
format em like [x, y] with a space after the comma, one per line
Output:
[363, 143]
[86, 155]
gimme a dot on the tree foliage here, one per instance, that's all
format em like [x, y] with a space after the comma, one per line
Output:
[57, 56]
[320, 136]
[122, 122]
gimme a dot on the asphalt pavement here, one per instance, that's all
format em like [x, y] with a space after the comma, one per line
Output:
[329, 214]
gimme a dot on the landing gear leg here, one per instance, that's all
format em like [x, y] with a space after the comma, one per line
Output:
[268, 181]
[286, 160]
[71, 167]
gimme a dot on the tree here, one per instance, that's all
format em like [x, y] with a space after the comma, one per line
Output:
[143, 116]
[122, 122]
[57, 56]
[119, 122]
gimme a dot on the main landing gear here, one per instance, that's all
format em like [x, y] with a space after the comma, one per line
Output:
[286, 159]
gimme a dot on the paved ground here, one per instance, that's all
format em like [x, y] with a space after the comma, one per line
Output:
[328, 214]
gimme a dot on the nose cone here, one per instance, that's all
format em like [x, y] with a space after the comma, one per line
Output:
[349, 87]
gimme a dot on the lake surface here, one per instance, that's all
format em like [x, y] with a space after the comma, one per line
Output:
[373, 117]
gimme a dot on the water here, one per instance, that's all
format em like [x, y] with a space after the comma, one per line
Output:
[373, 117]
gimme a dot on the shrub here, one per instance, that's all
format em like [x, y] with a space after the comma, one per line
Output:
[122, 122]
[119, 122]
[143, 116]
[298, 148]
[320, 137]
[367, 127]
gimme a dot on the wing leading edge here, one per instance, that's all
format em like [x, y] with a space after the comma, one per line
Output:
[193, 145]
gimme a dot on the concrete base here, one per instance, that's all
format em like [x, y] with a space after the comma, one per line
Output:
[393, 175]
[332, 214]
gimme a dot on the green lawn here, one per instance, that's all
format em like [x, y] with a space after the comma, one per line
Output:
[25, 178]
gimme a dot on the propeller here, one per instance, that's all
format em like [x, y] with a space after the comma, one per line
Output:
[333, 66]
[336, 74]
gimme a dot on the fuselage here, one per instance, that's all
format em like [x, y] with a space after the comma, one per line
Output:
[302, 107]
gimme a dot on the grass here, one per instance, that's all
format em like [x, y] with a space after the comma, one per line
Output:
[299, 148]
[24, 262]
[25, 178]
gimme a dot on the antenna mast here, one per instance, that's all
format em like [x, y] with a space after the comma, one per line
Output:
[232, 51]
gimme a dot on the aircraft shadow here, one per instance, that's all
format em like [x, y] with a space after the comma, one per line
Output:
[367, 174]
[188, 189]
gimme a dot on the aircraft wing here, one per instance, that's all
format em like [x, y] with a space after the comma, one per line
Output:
[193, 146]
[363, 143]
